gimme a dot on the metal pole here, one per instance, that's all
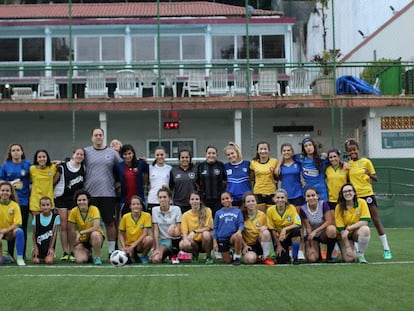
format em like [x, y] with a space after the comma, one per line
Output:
[248, 77]
[70, 75]
[159, 70]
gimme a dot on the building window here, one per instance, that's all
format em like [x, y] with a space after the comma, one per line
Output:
[193, 47]
[170, 48]
[254, 47]
[172, 146]
[87, 49]
[60, 49]
[273, 46]
[143, 48]
[9, 50]
[223, 47]
[113, 49]
[33, 49]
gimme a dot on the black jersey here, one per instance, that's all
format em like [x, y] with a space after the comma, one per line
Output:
[211, 178]
[44, 235]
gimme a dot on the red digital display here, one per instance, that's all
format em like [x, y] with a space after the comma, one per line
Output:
[171, 125]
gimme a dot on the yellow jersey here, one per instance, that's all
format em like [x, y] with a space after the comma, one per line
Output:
[264, 179]
[10, 215]
[134, 228]
[335, 179]
[190, 222]
[81, 223]
[276, 221]
[252, 228]
[359, 179]
[344, 218]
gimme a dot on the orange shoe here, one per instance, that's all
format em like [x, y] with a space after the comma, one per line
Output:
[268, 262]
[323, 254]
[259, 260]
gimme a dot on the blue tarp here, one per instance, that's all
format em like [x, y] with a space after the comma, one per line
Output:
[354, 85]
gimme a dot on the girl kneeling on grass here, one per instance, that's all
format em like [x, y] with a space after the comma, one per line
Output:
[11, 221]
[351, 219]
[196, 227]
[166, 226]
[85, 234]
[257, 240]
[133, 231]
[228, 227]
[284, 223]
[45, 228]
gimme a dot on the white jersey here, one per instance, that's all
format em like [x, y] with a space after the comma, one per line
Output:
[158, 177]
[101, 166]
[165, 220]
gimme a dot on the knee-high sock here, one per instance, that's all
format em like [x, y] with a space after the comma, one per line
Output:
[330, 247]
[20, 242]
[363, 243]
[295, 249]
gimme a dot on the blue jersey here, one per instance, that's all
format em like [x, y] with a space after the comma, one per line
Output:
[238, 179]
[11, 171]
[290, 176]
[226, 222]
[312, 177]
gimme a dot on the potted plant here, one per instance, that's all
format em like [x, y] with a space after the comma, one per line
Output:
[324, 84]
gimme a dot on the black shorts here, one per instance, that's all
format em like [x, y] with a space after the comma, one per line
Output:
[257, 248]
[332, 205]
[223, 246]
[299, 201]
[67, 203]
[106, 206]
[371, 201]
[265, 199]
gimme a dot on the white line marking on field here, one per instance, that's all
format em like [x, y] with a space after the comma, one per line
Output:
[96, 275]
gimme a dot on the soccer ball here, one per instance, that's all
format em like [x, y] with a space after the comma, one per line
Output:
[118, 258]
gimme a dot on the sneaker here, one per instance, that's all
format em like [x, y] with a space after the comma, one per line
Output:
[97, 261]
[259, 260]
[218, 255]
[64, 257]
[20, 262]
[209, 261]
[268, 262]
[323, 255]
[387, 254]
[182, 255]
[330, 260]
[301, 255]
[236, 262]
[194, 258]
[71, 257]
[361, 258]
[144, 259]
[175, 260]
[295, 262]
[335, 254]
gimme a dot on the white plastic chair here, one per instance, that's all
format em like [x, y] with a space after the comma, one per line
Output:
[126, 84]
[195, 83]
[169, 81]
[147, 80]
[218, 83]
[96, 85]
[268, 83]
[240, 82]
[48, 88]
[299, 83]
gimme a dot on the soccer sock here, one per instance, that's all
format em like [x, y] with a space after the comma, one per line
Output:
[235, 256]
[19, 242]
[362, 244]
[111, 246]
[336, 248]
[295, 249]
[330, 247]
[266, 248]
[384, 242]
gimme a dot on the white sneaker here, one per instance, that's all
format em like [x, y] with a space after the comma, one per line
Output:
[20, 262]
[174, 260]
[218, 255]
[301, 255]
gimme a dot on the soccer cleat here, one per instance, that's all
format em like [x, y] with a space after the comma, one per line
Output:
[71, 257]
[259, 260]
[175, 260]
[20, 262]
[64, 257]
[323, 254]
[236, 262]
[361, 258]
[97, 261]
[181, 255]
[209, 261]
[144, 259]
[335, 254]
[295, 262]
[387, 254]
[268, 261]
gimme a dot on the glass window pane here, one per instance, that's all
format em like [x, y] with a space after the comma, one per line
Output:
[273, 46]
[143, 48]
[223, 47]
[33, 49]
[193, 47]
[254, 48]
[9, 50]
[87, 49]
[60, 49]
[170, 48]
[113, 48]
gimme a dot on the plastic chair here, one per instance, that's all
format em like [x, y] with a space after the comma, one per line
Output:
[268, 83]
[240, 84]
[126, 84]
[195, 83]
[96, 85]
[218, 83]
[48, 88]
[147, 80]
[299, 83]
